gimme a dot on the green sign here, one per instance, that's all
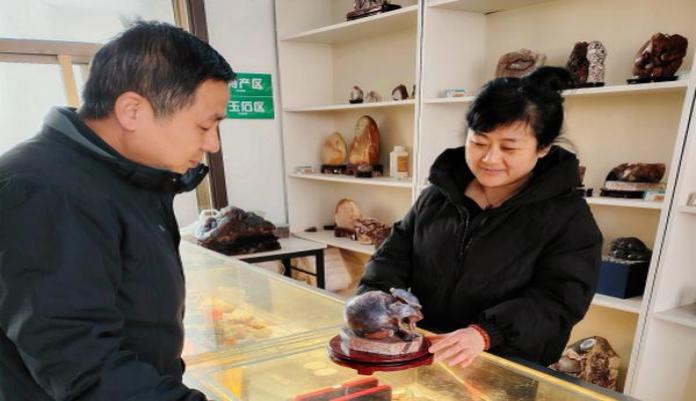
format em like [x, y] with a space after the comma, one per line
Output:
[251, 97]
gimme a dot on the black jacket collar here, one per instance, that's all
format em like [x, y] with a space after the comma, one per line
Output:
[554, 174]
[64, 121]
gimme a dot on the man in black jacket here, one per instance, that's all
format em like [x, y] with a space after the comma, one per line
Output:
[91, 282]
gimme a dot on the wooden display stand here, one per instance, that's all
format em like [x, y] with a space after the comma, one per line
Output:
[441, 44]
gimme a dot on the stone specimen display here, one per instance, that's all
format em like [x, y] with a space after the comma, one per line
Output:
[335, 150]
[345, 214]
[629, 249]
[659, 58]
[373, 97]
[381, 323]
[400, 93]
[596, 55]
[356, 95]
[591, 359]
[520, 63]
[371, 231]
[366, 8]
[233, 231]
[365, 146]
[638, 172]
[631, 180]
[578, 65]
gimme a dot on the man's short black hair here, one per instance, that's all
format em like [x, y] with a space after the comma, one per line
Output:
[160, 62]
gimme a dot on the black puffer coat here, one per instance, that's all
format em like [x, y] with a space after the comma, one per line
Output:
[525, 271]
[91, 283]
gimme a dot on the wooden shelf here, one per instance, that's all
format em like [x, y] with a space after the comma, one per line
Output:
[393, 21]
[619, 202]
[327, 237]
[341, 107]
[686, 315]
[377, 181]
[483, 6]
[687, 209]
[613, 90]
[631, 305]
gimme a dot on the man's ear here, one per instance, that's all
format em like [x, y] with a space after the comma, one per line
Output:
[129, 110]
[543, 151]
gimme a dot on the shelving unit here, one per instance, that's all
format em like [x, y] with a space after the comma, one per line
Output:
[685, 315]
[340, 107]
[632, 305]
[327, 237]
[376, 181]
[614, 90]
[441, 44]
[688, 209]
[404, 18]
[618, 202]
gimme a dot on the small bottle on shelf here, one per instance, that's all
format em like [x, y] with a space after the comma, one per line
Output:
[398, 163]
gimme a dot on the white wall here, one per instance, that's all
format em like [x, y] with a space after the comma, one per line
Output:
[243, 31]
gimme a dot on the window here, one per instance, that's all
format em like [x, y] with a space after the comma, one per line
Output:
[45, 47]
[77, 20]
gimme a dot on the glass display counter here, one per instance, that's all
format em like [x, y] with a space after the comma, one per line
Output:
[253, 335]
[309, 375]
[235, 307]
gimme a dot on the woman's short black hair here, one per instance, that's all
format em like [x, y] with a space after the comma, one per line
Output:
[535, 99]
[160, 62]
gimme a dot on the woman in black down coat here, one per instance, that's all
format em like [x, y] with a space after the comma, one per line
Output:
[502, 253]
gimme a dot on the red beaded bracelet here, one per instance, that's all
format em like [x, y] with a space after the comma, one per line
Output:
[484, 334]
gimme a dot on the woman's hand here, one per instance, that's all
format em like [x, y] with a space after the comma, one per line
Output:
[458, 347]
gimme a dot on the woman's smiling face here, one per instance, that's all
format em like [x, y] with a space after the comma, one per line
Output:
[504, 155]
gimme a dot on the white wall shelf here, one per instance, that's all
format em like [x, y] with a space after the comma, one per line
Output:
[687, 209]
[686, 315]
[393, 21]
[327, 237]
[617, 90]
[631, 305]
[483, 6]
[612, 90]
[450, 100]
[376, 181]
[359, 106]
[619, 202]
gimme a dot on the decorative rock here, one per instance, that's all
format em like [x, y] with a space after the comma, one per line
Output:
[578, 65]
[596, 54]
[365, 146]
[637, 172]
[400, 93]
[371, 231]
[366, 8]
[591, 359]
[233, 231]
[629, 248]
[387, 346]
[520, 63]
[376, 315]
[356, 95]
[413, 93]
[373, 97]
[347, 211]
[660, 57]
[334, 150]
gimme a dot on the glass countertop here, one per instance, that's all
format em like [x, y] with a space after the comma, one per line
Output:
[297, 375]
[233, 307]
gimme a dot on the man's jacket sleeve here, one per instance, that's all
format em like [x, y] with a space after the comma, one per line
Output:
[59, 276]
